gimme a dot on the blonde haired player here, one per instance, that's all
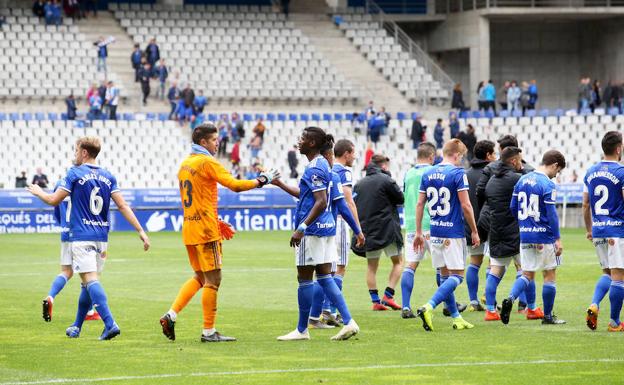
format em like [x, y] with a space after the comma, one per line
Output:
[202, 231]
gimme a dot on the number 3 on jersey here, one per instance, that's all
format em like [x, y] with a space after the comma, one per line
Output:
[528, 206]
[441, 198]
[188, 186]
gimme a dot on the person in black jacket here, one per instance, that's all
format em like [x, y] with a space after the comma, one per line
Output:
[377, 197]
[484, 153]
[484, 224]
[504, 234]
[418, 132]
[145, 74]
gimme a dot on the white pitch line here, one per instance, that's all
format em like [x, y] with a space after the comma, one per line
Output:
[308, 370]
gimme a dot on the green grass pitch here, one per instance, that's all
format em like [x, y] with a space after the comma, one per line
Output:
[258, 302]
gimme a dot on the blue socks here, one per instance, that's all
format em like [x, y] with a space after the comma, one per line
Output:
[317, 301]
[472, 281]
[530, 295]
[407, 285]
[305, 295]
[549, 290]
[335, 295]
[57, 285]
[445, 290]
[519, 287]
[522, 296]
[602, 287]
[374, 294]
[616, 295]
[491, 285]
[438, 277]
[100, 302]
[84, 305]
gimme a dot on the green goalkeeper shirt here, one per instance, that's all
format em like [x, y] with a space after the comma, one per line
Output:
[411, 189]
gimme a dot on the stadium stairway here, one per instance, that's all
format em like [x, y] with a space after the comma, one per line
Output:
[339, 51]
[118, 54]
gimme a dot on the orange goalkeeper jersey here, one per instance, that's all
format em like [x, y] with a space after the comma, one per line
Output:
[198, 177]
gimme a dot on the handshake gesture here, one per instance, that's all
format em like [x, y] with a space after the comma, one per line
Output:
[267, 177]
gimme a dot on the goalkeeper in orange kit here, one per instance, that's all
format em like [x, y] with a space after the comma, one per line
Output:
[202, 231]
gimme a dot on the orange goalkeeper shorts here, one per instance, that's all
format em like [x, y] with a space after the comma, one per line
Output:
[205, 257]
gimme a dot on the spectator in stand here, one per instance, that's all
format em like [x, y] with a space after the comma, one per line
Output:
[135, 59]
[376, 126]
[286, 7]
[438, 134]
[457, 102]
[235, 154]
[162, 72]
[481, 95]
[453, 125]
[525, 97]
[91, 5]
[145, 74]
[259, 129]
[57, 12]
[368, 154]
[95, 107]
[513, 97]
[418, 132]
[386, 116]
[293, 161]
[185, 112]
[21, 181]
[102, 90]
[173, 96]
[370, 109]
[489, 93]
[224, 134]
[188, 96]
[255, 146]
[237, 125]
[112, 100]
[40, 179]
[200, 102]
[533, 94]
[152, 52]
[49, 12]
[501, 95]
[70, 102]
[584, 95]
[196, 120]
[72, 8]
[93, 90]
[102, 53]
[596, 101]
[39, 8]
[469, 139]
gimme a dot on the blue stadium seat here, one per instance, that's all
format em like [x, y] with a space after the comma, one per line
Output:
[401, 115]
[559, 112]
[361, 118]
[531, 113]
[338, 116]
[476, 114]
[414, 115]
[14, 116]
[613, 111]
[293, 117]
[504, 114]
[53, 116]
[162, 116]
[586, 111]
[327, 117]
[259, 116]
[79, 123]
[150, 116]
[463, 114]
[3, 116]
[337, 19]
[212, 117]
[270, 117]
[544, 112]
[517, 114]
[304, 117]
[489, 114]
[281, 116]
[247, 117]
[27, 116]
[349, 116]
[128, 116]
[40, 116]
[63, 116]
[316, 117]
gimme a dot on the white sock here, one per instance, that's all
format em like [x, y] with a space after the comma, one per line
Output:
[172, 314]
[208, 332]
[314, 318]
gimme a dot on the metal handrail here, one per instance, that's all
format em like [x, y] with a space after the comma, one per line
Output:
[449, 6]
[415, 51]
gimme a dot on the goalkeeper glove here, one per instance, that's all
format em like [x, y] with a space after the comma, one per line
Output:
[267, 176]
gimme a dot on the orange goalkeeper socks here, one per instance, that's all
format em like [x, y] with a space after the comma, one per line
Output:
[209, 305]
[186, 293]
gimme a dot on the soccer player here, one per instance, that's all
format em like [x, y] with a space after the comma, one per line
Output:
[533, 204]
[445, 189]
[91, 189]
[484, 154]
[603, 211]
[504, 234]
[202, 231]
[61, 214]
[338, 206]
[314, 242]
[425, 154]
